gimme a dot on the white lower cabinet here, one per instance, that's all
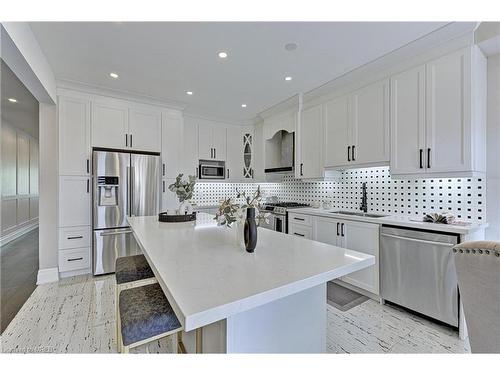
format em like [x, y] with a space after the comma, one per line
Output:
[352, 235]
[74, 259]
[298, 230]
[74, 201]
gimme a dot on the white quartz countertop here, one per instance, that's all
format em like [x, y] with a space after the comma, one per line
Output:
[208, 277]
[403, 221]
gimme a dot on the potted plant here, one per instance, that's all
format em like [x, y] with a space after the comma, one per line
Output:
[184, 190]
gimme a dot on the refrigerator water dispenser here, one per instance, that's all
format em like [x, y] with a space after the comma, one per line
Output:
[107, 190]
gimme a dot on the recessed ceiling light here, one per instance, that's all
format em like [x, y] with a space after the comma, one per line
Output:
[222, 55]
[189, 92]
[243, 105]
[291, 46]
[288, 78]
[12, 100]
[113, 75]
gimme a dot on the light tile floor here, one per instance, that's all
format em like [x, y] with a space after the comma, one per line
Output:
[77, 315]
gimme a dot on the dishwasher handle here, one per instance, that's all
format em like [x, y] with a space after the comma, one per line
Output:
[418, 240]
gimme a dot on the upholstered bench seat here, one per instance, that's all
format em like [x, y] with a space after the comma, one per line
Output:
[132, 268]
[145, 313]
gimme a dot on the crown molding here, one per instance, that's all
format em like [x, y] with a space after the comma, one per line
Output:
[118, 94]
[288, 105]
[224, 120]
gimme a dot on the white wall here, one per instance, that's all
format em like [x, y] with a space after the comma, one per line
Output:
[19, 166]
[48, 187]
[493, 149]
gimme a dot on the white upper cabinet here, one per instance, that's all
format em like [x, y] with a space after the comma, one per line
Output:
[370, 124]
[190, 148]
[357, 128]
[337, 132]
[408, 121]
[212, 142]
[172, 138]
[145, 129]
[310, 164]
[110, 125]
[74, 136]
[124, 125]
[438, 117]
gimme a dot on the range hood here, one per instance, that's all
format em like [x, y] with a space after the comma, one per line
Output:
[280, 152]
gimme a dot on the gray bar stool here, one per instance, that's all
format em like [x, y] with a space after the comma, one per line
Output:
[146, 315]
[478, 272]
[130, 272]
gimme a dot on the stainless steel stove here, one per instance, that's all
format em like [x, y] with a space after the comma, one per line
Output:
[278, 211]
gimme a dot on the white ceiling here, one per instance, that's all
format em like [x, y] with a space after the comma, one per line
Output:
[23, 114]
[164, 60]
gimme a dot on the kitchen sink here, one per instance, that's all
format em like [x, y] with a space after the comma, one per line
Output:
[362, 214]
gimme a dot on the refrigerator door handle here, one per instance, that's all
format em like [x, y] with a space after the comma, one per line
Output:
[114, 232]
[131, 187]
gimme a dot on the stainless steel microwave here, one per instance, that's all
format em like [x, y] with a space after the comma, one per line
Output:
[212, 170]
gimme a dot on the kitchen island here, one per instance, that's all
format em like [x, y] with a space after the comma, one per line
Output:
[231, 301]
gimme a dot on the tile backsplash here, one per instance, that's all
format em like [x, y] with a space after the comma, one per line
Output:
[463, 197]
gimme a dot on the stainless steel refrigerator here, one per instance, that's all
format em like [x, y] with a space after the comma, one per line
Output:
[124, 184]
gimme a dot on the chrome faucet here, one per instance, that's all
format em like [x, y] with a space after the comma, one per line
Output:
[364, 199]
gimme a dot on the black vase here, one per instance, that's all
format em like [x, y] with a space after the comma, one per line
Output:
[250, 230]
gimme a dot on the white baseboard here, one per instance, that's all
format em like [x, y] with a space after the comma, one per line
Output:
[18, 233]
[84, 271]
[47, 275]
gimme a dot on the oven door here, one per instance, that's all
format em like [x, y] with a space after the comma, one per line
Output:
[212, 172]
[276, 223]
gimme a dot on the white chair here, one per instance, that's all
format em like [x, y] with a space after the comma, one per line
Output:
[478, 271]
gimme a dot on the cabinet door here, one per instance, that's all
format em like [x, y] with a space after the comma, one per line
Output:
[234, 160]
[370, 124]
[337, 132]
[145, 130]
[363, 237]
[408, 121]
[205, 146]
[74, 201]
[327, 230]
[74, 136]
[219, 140]
[448, 113]
[168, 198]
[190, 149]
[310, 140]
[109, 125]
[172, 138]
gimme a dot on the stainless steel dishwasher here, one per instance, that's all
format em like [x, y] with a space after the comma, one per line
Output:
[417, 272]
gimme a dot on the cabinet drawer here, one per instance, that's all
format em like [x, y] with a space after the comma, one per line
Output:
[300, 231]
[299, 219]
[73, 237]
[74, 259]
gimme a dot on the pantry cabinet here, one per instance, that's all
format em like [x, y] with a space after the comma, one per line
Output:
[172, 138]
[438, 117]
[74, 201]
[127, 126]
[74, 135]
[310, 146]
